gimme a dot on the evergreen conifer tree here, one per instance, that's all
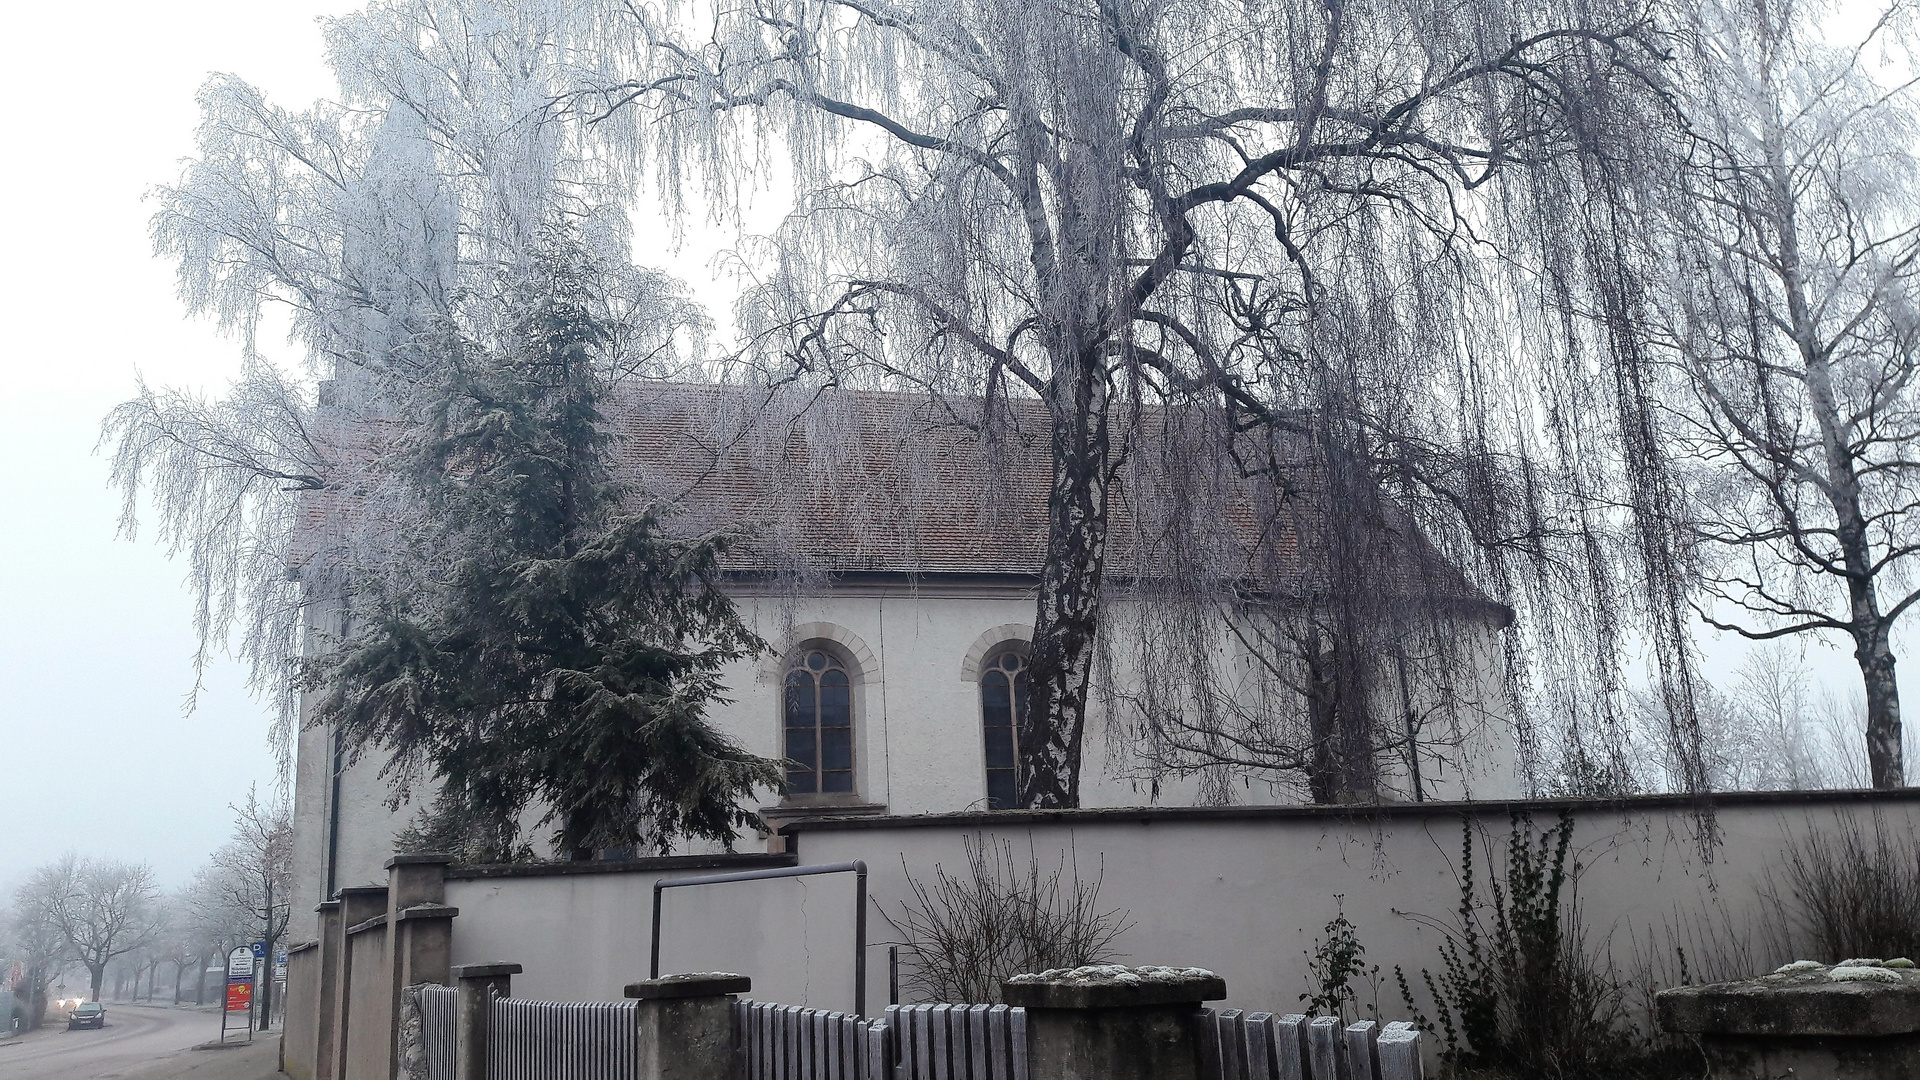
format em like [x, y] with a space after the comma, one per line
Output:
[536, 642]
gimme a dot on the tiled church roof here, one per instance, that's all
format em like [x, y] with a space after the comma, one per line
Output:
[887, 482]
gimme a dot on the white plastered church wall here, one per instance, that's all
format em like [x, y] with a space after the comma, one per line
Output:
[915, 653]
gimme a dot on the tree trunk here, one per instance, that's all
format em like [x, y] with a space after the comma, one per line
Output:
[1342, 768]
[1060, 665]
[1843, 493]
[1886, 767]
[96, 974]
[266, 985]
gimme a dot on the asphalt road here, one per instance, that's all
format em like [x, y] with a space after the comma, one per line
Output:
[138, 1043]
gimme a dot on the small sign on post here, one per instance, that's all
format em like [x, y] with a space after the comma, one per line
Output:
[240, 965]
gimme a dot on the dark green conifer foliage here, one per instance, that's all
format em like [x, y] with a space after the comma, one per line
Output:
[538, 643]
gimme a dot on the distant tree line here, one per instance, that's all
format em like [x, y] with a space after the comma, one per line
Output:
[108, 922]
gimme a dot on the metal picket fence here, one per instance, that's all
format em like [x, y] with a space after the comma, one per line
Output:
[547, 1040]
[1262, 1046]
[439, 1010]
[561, 1040]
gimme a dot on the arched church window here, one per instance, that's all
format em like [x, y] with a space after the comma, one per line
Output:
[1003, 705]
[819, 725]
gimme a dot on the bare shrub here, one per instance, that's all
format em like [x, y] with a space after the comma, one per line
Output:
[1851, 891]
[967, 934]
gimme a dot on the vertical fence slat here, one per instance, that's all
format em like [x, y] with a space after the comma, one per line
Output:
[999, 1054]
[1290, 1047]
[1324, 1046]
[1233, 1045]
[783, 1044]
[853, 1036]
[940, 1024]
[921, 1065]
[977, 1067]
[1017, 1040]
[1399, 1047]
[878, 1067]
[959, 1041]
[1206, 1029]
[898, 1042]
[829, 1027]
[809, 1044]
[1362, 1059]
[1257, 1046]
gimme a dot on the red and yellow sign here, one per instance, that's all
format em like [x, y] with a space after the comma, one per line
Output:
[239, 996]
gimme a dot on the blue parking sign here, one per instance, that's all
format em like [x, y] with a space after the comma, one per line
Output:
[259, 950]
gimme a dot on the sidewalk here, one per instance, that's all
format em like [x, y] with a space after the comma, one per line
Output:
[259, 1061]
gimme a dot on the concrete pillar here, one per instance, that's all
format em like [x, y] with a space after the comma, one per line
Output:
[357, 904]
[479, 984]
[686, 1026]
[332, 939]
[416, 879]
[1109, 1022]
[419, 934]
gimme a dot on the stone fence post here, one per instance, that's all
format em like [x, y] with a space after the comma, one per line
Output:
[478, 985]
[686, 1026]
[1109, 1022]
[419, 934]
[1859, 1020]
[357, 904]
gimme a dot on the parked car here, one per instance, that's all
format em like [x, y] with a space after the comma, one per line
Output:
[87, 1014]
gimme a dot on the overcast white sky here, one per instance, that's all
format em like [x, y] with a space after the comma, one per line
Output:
[95, 634]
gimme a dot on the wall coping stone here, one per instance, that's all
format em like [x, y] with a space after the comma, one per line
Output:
[690, 985]
[374, 923]
[421, 859]
[428, 911]
[362, 890]
[484, 971]
[302, 947]
[1113, 986]
[1147, 815]
[326, 906]
[1800, 999]
[667, 863]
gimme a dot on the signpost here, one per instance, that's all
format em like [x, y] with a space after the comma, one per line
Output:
[240, 966]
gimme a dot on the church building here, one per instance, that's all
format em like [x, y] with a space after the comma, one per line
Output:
[891, 565]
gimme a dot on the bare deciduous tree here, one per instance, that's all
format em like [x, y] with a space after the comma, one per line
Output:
[39, 947]
[252, 877]
[102, 909]
[1790, 312]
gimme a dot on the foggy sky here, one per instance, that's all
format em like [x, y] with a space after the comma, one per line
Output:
[96, 634]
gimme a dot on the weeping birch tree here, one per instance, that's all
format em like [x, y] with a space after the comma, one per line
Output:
[1793, 319]
[1326, 231]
